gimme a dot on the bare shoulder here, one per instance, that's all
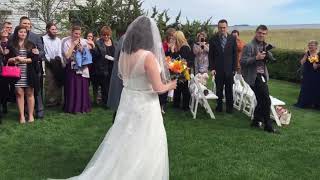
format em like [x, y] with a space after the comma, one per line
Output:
[149, 60]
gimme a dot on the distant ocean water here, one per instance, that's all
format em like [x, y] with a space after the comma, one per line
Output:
[293, 26]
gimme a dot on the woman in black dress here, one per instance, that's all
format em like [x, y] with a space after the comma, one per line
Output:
[183, 51]
[103, 57]
[310, 84]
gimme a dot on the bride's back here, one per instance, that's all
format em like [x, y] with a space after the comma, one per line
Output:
[136, 77]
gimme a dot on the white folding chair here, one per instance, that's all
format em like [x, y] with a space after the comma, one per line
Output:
[198, 97]
[275, 102]
[249, 100]
[238, 92]
[249, 103]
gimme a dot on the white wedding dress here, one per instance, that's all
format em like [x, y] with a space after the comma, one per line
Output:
[135, 147]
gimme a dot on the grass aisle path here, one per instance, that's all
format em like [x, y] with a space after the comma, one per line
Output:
[201, 149]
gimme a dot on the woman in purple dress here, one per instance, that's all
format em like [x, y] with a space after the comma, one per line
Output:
[76, 98]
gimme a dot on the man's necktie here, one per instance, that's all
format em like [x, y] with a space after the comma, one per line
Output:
[223, 42]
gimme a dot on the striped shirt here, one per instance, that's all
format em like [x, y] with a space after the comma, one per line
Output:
[23, 81]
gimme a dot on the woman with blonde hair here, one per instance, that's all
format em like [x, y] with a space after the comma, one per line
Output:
[310, 87]
[183, 51]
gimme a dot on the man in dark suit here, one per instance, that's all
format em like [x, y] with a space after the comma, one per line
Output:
[222, 63]
[36, 39]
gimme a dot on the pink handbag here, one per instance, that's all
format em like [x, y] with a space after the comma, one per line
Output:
[11, 72]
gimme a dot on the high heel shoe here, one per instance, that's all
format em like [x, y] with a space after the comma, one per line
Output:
[31, 120]
[22, 121]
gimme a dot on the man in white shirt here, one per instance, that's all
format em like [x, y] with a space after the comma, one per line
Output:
[53, 67]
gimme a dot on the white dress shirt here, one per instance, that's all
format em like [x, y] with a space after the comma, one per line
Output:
[52, 47]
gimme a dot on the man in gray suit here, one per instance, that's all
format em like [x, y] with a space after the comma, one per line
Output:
[116, 85]
[36, 39]
[255, 73]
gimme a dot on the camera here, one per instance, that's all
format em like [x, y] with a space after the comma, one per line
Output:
[267, 49]
[202, 40]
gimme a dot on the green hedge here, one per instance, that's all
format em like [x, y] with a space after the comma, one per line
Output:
[287, 65]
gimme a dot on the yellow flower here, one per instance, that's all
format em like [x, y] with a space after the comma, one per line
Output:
[187, 75]
[313, 59]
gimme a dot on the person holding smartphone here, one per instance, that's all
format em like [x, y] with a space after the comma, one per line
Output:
[76, 96]
[201, 51]
[103, 54]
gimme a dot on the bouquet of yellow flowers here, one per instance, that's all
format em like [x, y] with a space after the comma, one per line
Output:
[313, 59]
[178, 68]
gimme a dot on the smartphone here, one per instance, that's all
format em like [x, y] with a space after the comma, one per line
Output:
[172, 41]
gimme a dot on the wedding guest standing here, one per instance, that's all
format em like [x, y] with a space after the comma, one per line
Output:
[36, 40]
[54, 66]
[310, 84]
[76, 94]
[169, 41]
[4, 83]
[7, 26]
[116, 83]
[168, 46]
[103, 54]
[222, 63]
[183, 50]
[24, 53]
[201, 51]
[90, 37]
[240, 46]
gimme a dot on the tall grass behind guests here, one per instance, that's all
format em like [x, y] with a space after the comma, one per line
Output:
[286, 38]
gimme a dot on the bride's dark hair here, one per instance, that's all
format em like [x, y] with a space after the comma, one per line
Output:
[138, 36]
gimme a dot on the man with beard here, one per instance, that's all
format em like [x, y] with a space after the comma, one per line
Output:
[36, 39]
[53, 68]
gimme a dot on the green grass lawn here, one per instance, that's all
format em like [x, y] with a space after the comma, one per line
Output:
[201, 149]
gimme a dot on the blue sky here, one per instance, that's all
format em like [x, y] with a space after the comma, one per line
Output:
[253, 12]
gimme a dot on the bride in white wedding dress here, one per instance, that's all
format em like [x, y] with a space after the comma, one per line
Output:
[135, 147]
